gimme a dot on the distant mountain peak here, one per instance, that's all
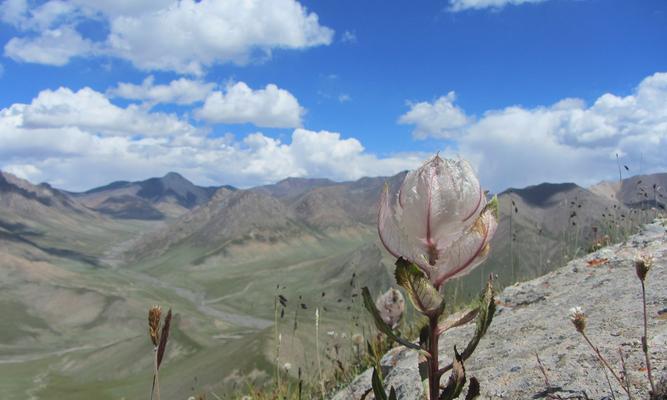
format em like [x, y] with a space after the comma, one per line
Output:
[174, 177]
[152, 198]
[541, 195]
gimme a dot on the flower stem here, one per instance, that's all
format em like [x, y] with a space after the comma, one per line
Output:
[433, 374]
[157, 380]
[606, 364]
[645, 341]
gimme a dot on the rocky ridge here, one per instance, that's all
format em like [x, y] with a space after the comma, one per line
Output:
[532, 318]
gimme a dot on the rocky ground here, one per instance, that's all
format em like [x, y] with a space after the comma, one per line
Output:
[532, 318]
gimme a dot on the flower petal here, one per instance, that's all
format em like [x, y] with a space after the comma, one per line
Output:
[458, 200]
[387, 227]
[468, 252]
[394, 237]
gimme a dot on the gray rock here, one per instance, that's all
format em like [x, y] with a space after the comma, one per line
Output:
[534, 319]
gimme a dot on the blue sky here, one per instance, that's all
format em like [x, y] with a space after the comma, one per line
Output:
[250, 92]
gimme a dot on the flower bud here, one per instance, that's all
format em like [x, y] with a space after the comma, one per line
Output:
[391, 306]
[357, 339]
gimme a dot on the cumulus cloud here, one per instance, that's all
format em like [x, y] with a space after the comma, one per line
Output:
[180, 91]
[569, 140]
[269, 107]
[185, 36]
[441, 119]
[79, 139]
[90, 111]
[51, 47]
[460, 5]
[13, 11]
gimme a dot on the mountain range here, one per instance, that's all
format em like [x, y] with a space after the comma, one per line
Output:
[219, 255]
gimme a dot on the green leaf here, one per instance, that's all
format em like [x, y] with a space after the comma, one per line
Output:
[382, 326]
[422, 366]
[423, 295]
[163, 339]
[487, 309]
[457, 379]
[493, 206]
[376, 384]
[392, 394]
[453, 323]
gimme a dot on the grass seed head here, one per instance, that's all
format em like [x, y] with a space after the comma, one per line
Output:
[154, 324]
[642, 265]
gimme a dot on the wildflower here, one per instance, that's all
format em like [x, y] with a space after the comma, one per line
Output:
[440, 221]
[578, 319]
[642, 265]
[287, 366]
[391, 306]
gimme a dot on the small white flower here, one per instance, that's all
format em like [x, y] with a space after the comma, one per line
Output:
[578, 318]
[575, 312]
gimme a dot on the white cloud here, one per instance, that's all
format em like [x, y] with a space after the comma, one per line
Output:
[90, 111]
[344, 98]
[180, 91]
[185, 36]
[79, 139]
[269, 107]
[349, 37]
[441, 119]
[51, 47]
[569, 141]
[460, 5]
[13, 12]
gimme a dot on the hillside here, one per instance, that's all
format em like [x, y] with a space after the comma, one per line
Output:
[220, 266]
[532, 317]
[152, 199]
[641, 191]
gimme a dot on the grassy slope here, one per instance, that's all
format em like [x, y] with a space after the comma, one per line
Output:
[99, 314]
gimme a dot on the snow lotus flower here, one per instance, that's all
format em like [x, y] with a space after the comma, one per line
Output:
[440, 221]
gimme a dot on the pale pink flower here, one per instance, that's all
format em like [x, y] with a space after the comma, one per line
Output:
[439, 221]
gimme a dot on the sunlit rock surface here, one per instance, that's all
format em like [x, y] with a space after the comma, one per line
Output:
[532, 317]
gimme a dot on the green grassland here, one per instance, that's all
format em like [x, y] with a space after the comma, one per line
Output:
[79, 330]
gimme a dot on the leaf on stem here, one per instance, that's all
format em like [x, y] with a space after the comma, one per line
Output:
[457, 379]
[423, 361]
[163, 338]
[376, 384]
[487, 309]
[458, 320]
[423, 295]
